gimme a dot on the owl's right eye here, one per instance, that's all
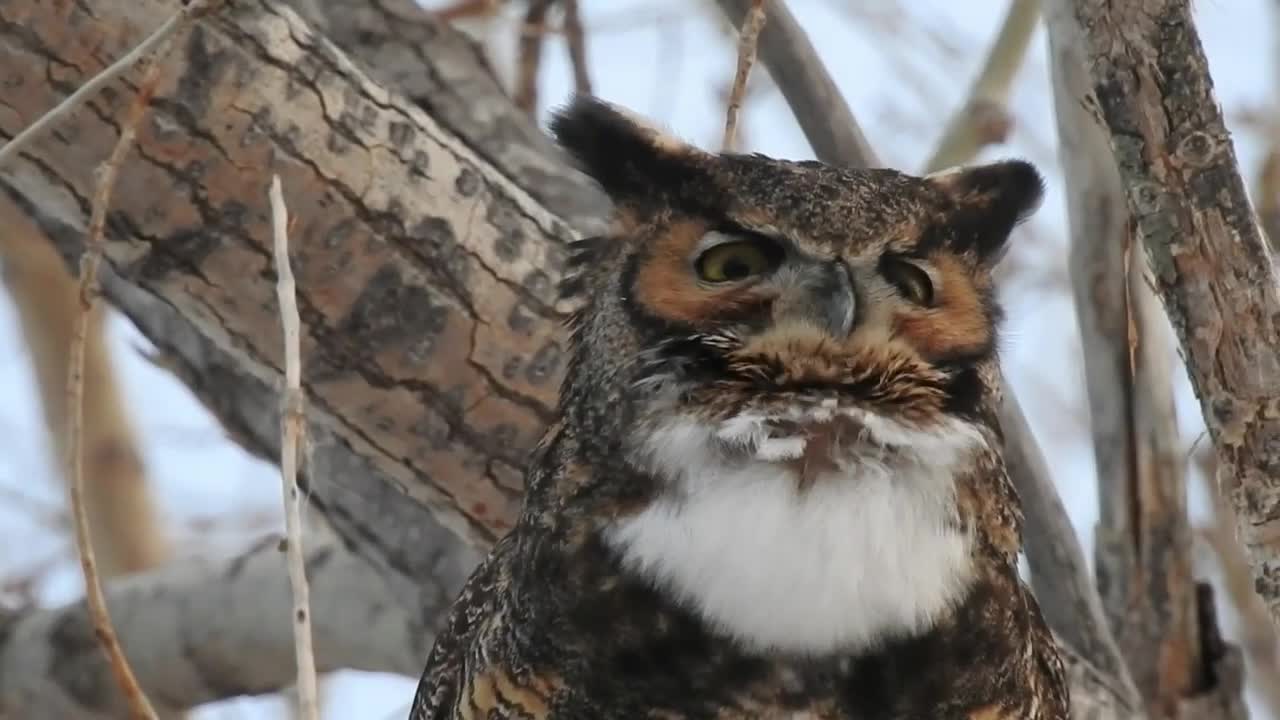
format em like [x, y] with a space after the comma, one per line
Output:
[738, 260]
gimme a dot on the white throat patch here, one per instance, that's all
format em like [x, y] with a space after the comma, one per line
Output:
[868, 552]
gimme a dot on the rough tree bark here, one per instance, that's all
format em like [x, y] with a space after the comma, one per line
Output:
[427, 287]
[427, 251]
[1211, 265]
[1144, 534]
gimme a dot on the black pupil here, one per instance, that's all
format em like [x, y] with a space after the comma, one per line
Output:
[736, 269]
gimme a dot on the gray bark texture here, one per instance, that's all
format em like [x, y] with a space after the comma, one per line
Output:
[431, 221]
[1210, 263]
[1144, 534]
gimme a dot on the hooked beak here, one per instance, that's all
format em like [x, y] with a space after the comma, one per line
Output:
[821, 296]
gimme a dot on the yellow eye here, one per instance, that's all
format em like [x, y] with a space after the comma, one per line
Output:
[910, 279]
[735, 261]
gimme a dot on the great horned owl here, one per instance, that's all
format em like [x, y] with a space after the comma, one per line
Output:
[775, 489]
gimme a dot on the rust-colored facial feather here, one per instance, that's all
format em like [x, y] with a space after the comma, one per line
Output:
[665, 286]
[960, 323]
[878, 283]
[787, 365]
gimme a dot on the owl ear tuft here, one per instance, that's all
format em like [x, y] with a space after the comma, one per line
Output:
[988, 201]
[622, 152]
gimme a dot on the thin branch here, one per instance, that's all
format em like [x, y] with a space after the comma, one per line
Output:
[748, 37]
[292, 420]
[151, 47]
[529, 56]
[1099, 232]
[576, 40]
[126, 528]
[984, 118]
[800, 74]
[140, 707]
[1161, 629]
[148, 54]
[1059, 573]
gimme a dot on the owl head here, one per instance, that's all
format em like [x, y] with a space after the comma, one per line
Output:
[759, 294]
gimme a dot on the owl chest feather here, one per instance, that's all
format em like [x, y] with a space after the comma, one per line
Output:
[869, 548]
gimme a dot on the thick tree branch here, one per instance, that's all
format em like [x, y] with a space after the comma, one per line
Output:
[1059, 572]
[201, 631]
[1144, 535]
[401, 46]
[1211, 265]
[426, 277]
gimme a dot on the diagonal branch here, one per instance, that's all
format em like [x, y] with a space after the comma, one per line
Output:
[749, 36]
[984, 119]
[809, 89]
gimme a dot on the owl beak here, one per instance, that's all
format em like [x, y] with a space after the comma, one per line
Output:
[822, 297]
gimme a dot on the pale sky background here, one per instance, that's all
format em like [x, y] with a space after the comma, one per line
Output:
[903, 66]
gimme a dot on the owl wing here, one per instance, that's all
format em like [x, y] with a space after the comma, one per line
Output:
[446, 672]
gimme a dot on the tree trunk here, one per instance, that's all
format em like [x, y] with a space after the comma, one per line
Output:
[1211, 265]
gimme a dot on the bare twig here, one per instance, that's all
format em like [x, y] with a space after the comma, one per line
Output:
[148, 54]
[984, 119]
[810, 91]
[149, 47]
[748, 36]
[292, 421]
[529, 56]
[576, 40]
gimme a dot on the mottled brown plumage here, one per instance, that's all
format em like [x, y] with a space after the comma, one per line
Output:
[775, 489]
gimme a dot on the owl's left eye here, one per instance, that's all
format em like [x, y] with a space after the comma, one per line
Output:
[910, 279]
[738, 260]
